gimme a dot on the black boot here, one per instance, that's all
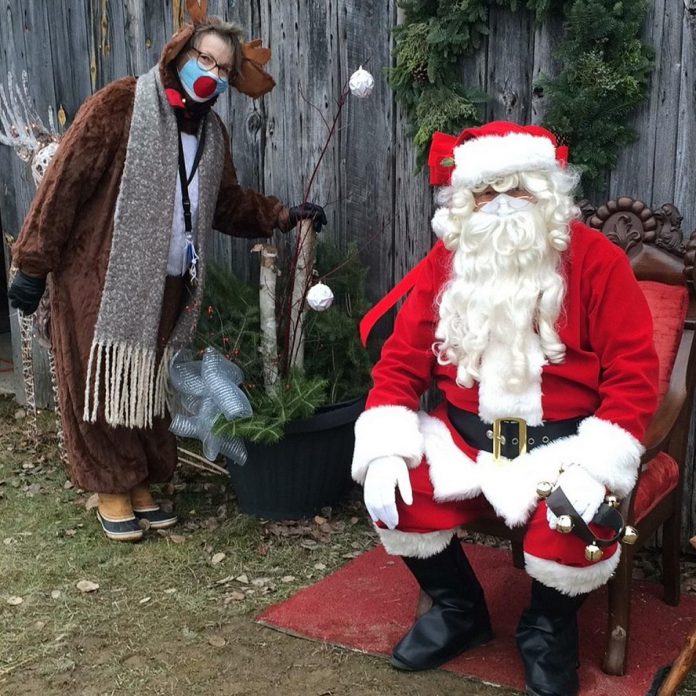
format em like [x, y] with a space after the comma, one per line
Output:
[458, 618]
[547, 638]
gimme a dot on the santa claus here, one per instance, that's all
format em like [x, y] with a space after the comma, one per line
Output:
[535, 331]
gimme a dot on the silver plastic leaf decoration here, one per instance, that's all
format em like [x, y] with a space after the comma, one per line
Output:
[221, 378]
[203, 391]
[185, 374]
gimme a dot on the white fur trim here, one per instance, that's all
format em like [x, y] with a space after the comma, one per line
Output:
[610, 454]
[386, 431]
[571, 580]
[495, 400]
[454, 475]
[491, 157]
[412, 544]
[510, 485]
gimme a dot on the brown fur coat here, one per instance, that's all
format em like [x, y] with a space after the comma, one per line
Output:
[68, 233]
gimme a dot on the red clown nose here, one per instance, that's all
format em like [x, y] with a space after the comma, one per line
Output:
[205, 87]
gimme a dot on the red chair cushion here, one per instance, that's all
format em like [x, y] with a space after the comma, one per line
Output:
[660, 477]
[668, 306]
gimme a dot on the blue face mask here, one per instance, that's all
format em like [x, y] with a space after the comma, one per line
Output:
[201, 85]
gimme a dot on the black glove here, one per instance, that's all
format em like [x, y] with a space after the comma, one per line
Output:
[308, 211]
[25, 292]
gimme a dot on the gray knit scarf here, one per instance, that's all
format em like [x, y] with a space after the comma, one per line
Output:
[122, 366]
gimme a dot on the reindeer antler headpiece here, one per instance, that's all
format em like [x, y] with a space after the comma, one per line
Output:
[198, 10]
[252, 80]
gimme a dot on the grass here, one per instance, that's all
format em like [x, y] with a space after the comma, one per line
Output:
[166, 587]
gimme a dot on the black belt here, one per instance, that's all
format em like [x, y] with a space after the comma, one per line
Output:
[505, 436]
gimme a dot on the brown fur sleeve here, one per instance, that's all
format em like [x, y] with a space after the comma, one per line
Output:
[83, 156]
[244, 212]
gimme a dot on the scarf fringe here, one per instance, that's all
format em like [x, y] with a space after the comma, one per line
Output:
[134, 387]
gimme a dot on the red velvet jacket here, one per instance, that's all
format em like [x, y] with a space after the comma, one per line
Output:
[610, 368]
[609, 376]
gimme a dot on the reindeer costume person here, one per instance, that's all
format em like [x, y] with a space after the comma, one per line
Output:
[122, 221]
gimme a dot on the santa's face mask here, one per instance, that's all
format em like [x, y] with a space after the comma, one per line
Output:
[503, 205]
[200, 84]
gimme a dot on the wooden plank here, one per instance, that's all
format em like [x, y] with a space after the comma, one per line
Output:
[309, 78]
[68, 37]
[510, 59]
[474, 74]
[11, 58]
[39, 65]
[685, 182]
[413, 207]
[667, 76]
[107, 41]
[547, 36]
[633, 175]
[413, 211]
[366, 142]
[245, 119]
[307, 75]
[25, 32]
[19, 59]
[16, 381]
[147, 29]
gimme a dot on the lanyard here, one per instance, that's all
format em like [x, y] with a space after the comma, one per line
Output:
[190, 248]
[186, 180]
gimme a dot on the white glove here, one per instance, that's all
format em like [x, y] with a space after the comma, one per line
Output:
[583, 491]
[384, 476]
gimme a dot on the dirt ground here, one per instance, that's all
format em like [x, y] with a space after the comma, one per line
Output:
[173, 615]
[255, 661]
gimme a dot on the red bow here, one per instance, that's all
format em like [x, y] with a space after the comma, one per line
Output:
[174, 98]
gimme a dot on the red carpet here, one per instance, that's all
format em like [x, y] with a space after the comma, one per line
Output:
[369, 604]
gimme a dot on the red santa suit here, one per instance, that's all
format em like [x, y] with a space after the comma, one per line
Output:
[608, 379]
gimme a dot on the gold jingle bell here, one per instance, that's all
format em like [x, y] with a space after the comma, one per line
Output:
[630, 535]
[612, 501]
[564, 524]
[544, 489]
[593, 553]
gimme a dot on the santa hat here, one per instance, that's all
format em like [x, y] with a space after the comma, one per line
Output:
[491, 151]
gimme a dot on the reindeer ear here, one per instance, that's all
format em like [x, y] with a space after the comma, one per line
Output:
[253, 80]
[197, 9]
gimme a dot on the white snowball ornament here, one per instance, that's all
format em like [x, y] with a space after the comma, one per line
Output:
[361, 83]
[41, 160]
[320, 297]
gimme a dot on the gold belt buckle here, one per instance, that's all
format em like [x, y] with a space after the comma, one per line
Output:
[499, 438]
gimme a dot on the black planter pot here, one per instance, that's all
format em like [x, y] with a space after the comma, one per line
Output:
[307, 470]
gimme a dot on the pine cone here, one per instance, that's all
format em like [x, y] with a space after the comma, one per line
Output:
[420, 74]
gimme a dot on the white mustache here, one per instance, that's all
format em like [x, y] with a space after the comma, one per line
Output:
[503, 205]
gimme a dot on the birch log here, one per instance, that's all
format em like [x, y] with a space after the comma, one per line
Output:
[306, 254]
[267, 309]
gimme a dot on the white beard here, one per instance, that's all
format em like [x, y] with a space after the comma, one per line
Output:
[503, 300]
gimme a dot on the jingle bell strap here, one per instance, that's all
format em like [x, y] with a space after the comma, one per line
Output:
[571, 522]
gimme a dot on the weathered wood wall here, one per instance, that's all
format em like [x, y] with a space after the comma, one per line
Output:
[367, 182]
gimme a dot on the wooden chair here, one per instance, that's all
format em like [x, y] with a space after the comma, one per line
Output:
[665, 268]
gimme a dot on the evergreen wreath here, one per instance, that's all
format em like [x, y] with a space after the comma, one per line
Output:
[605, 68]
